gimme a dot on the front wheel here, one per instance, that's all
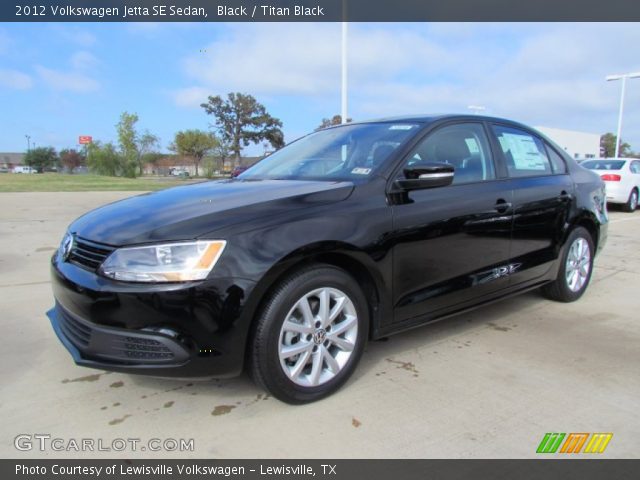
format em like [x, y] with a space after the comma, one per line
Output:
[632, 202]
[575, 268]
[310, 335]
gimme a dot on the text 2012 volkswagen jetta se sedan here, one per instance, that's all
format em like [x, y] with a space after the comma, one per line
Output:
[348, 234]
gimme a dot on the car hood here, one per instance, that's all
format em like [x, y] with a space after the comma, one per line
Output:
[187, 212]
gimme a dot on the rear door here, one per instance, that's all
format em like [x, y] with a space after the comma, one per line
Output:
[543, 193]
[451, 244]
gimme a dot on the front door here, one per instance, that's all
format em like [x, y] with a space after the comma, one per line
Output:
[452, 244]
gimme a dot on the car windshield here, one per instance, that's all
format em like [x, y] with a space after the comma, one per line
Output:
[603, 164]
[347, 152]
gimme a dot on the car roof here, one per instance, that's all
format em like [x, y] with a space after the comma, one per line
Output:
[430, 118]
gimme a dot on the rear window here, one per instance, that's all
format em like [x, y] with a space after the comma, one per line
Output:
[603, 164]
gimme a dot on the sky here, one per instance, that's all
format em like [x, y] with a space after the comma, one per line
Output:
[62, 80]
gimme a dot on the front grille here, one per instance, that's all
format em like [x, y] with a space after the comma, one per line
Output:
[133, 347]
[89, 255]
[76, 331]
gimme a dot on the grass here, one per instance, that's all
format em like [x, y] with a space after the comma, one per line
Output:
[59, 182]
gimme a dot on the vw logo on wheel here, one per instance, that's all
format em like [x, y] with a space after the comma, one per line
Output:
[319, 336]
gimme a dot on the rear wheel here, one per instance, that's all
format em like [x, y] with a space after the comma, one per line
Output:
[575, 268]
[310, 335]
[632, 202]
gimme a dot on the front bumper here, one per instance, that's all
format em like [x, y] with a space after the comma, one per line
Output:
[117, 345]
[191, 330]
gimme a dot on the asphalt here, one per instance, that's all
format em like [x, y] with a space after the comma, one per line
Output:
[487, 384]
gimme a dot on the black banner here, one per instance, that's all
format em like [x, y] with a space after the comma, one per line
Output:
[318, 10]
[323, 469]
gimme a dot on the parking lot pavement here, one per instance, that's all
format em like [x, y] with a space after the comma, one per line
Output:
[485, 384]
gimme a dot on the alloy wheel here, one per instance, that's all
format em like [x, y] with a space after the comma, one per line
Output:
[318, 337]
[578, 264]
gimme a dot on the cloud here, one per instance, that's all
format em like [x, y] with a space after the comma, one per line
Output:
[15, 79]
[302, 59]
[83, 60]
[263, 59]
[69, 81]
[191, 97]
[544, 74]
[75, 35]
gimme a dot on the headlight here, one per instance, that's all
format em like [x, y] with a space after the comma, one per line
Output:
[171, 262]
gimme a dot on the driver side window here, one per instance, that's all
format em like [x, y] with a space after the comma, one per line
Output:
[464, 146]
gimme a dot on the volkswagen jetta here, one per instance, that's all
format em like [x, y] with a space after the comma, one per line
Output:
[348, 234]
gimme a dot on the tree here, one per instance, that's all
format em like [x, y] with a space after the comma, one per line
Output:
[127, 134]
[71, 158]
[195, 144]
[104, 159]
[329, 122]
[222, 150]
[241, 120]
[148, 145]
[608, 146]
[41, 158]
[134, 145]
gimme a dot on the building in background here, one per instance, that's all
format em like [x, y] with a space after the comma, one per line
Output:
[166, 164]
[9, 160]
[577, 144]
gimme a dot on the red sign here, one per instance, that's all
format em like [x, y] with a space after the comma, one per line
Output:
[84, 139]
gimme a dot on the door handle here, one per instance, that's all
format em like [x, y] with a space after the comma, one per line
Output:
[502, 206]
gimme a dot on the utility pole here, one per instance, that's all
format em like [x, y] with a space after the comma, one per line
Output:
[622, 77]
[343, 109]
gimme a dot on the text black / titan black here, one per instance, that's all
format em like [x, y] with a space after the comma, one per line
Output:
[351, 233]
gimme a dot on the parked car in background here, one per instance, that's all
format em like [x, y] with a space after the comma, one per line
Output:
[23, 169]
[621, 177]
[351, 233]
[179, 172]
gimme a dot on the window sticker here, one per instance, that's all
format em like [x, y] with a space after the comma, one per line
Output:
[524, 151]
[401, 126]
[472, 145]
[361, 171]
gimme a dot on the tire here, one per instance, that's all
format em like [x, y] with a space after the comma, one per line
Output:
[323, 362]
[573, 280]
[632, 202]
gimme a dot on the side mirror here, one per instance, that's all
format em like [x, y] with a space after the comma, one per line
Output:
[426, 175]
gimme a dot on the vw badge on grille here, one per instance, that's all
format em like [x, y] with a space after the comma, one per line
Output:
[67, 246]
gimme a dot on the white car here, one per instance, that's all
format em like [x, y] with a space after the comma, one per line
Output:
[622, 178]
[178, 172]
[21, 169]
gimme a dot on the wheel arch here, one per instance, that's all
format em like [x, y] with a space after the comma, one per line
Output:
[349, 258]
[588, 222]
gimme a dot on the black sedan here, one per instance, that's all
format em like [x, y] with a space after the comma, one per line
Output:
[348, 234]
